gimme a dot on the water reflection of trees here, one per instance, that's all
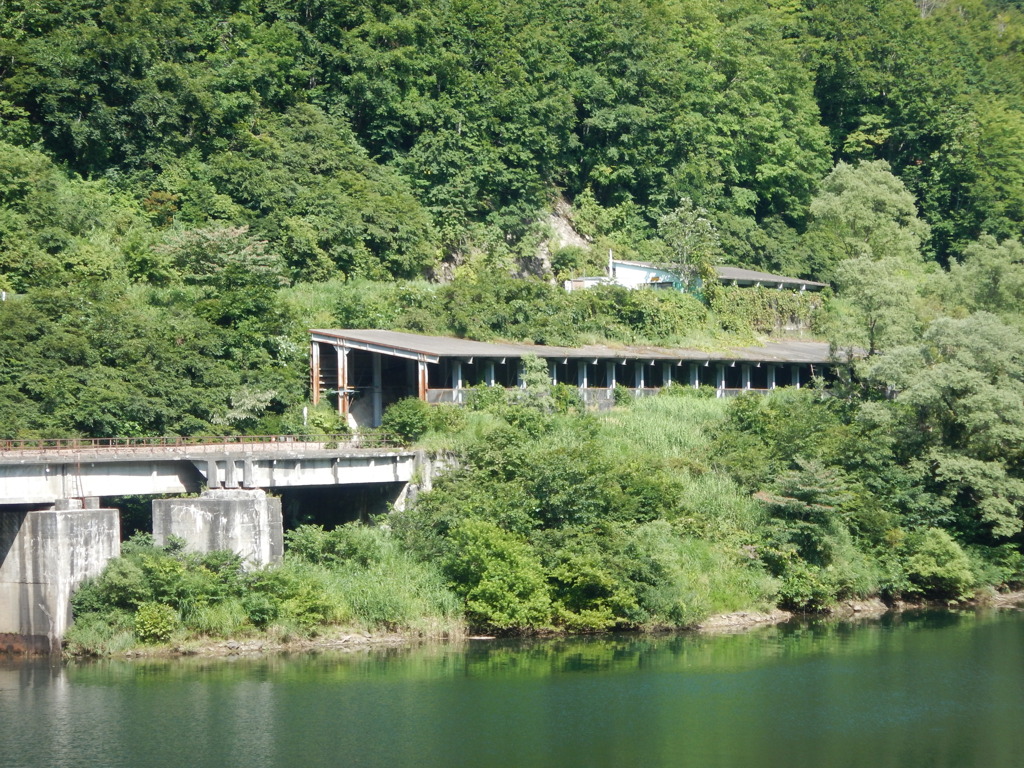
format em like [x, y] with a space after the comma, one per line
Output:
[531, 658]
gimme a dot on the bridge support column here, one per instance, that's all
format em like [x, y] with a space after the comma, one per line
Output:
[212, 474]
[44, 556]
[377, 393]
[248, 522]
[247, 474]
[230, 480]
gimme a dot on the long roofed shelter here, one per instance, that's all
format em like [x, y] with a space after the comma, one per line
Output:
[363, 371]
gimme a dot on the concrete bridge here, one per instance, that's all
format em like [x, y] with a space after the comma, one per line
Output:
[54, 532]
[43, 471]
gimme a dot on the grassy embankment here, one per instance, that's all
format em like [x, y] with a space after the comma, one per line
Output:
[370, 578]
[654, 515]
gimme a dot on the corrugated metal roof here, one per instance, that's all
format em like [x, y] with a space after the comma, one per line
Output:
[750, 275]
[436, 346]
[445, 346]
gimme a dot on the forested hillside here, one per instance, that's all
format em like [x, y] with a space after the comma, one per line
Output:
[169, 167]
[374, 138]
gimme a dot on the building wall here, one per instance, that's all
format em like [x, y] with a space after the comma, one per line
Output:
[636, 276]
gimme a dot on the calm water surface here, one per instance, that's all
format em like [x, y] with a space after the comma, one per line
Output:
[929, 690]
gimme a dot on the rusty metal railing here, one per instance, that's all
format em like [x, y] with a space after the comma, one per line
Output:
[354, 440]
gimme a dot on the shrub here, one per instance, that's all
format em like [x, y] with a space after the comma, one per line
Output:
[622, 395]
[261, 609]
[574, 261]
[499, 576]
[310, 606]
[588, 589]
[1002, 566]
[662, 315]
[310, 543]
[321, 419]
[853, 573]
[155, 622]
[567, 399]
[484, 398]
[354, 542]
[123, 584]
[938, 567]
[806, 588]
[406, 420]
[447, 418]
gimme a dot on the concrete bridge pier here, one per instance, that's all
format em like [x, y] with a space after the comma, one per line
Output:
[246, 521]
[44, 555]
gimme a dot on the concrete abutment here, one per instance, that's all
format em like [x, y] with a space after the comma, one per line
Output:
[247, 522]
[44, 556]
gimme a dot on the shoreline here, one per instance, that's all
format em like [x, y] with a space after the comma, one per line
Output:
[347, 640]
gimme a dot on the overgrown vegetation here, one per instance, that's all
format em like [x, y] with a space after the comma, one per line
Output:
[655, 515]
[677, 506]
[354, 578]
[152, 209]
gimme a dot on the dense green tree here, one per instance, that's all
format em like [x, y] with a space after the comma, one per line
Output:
[959, 390]
[863, 211]
[477, 114]
[877, 310]
[54, 228]
[990, 278]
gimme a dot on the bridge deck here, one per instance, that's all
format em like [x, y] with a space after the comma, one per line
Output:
[72, 450]
[50, 470]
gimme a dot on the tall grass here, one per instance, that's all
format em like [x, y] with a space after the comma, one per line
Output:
[315, 303]
[401, 595]
[375, 584]
[663, 427]
[713, 580]
[714, 507]
[477, 426]
[99, 636]
[697, 577]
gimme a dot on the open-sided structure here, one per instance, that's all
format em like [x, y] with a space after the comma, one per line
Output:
[362, 371]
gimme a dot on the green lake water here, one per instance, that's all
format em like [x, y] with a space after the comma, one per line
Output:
[929, 690]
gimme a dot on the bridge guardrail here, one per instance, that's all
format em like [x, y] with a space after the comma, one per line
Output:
[355, 440]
